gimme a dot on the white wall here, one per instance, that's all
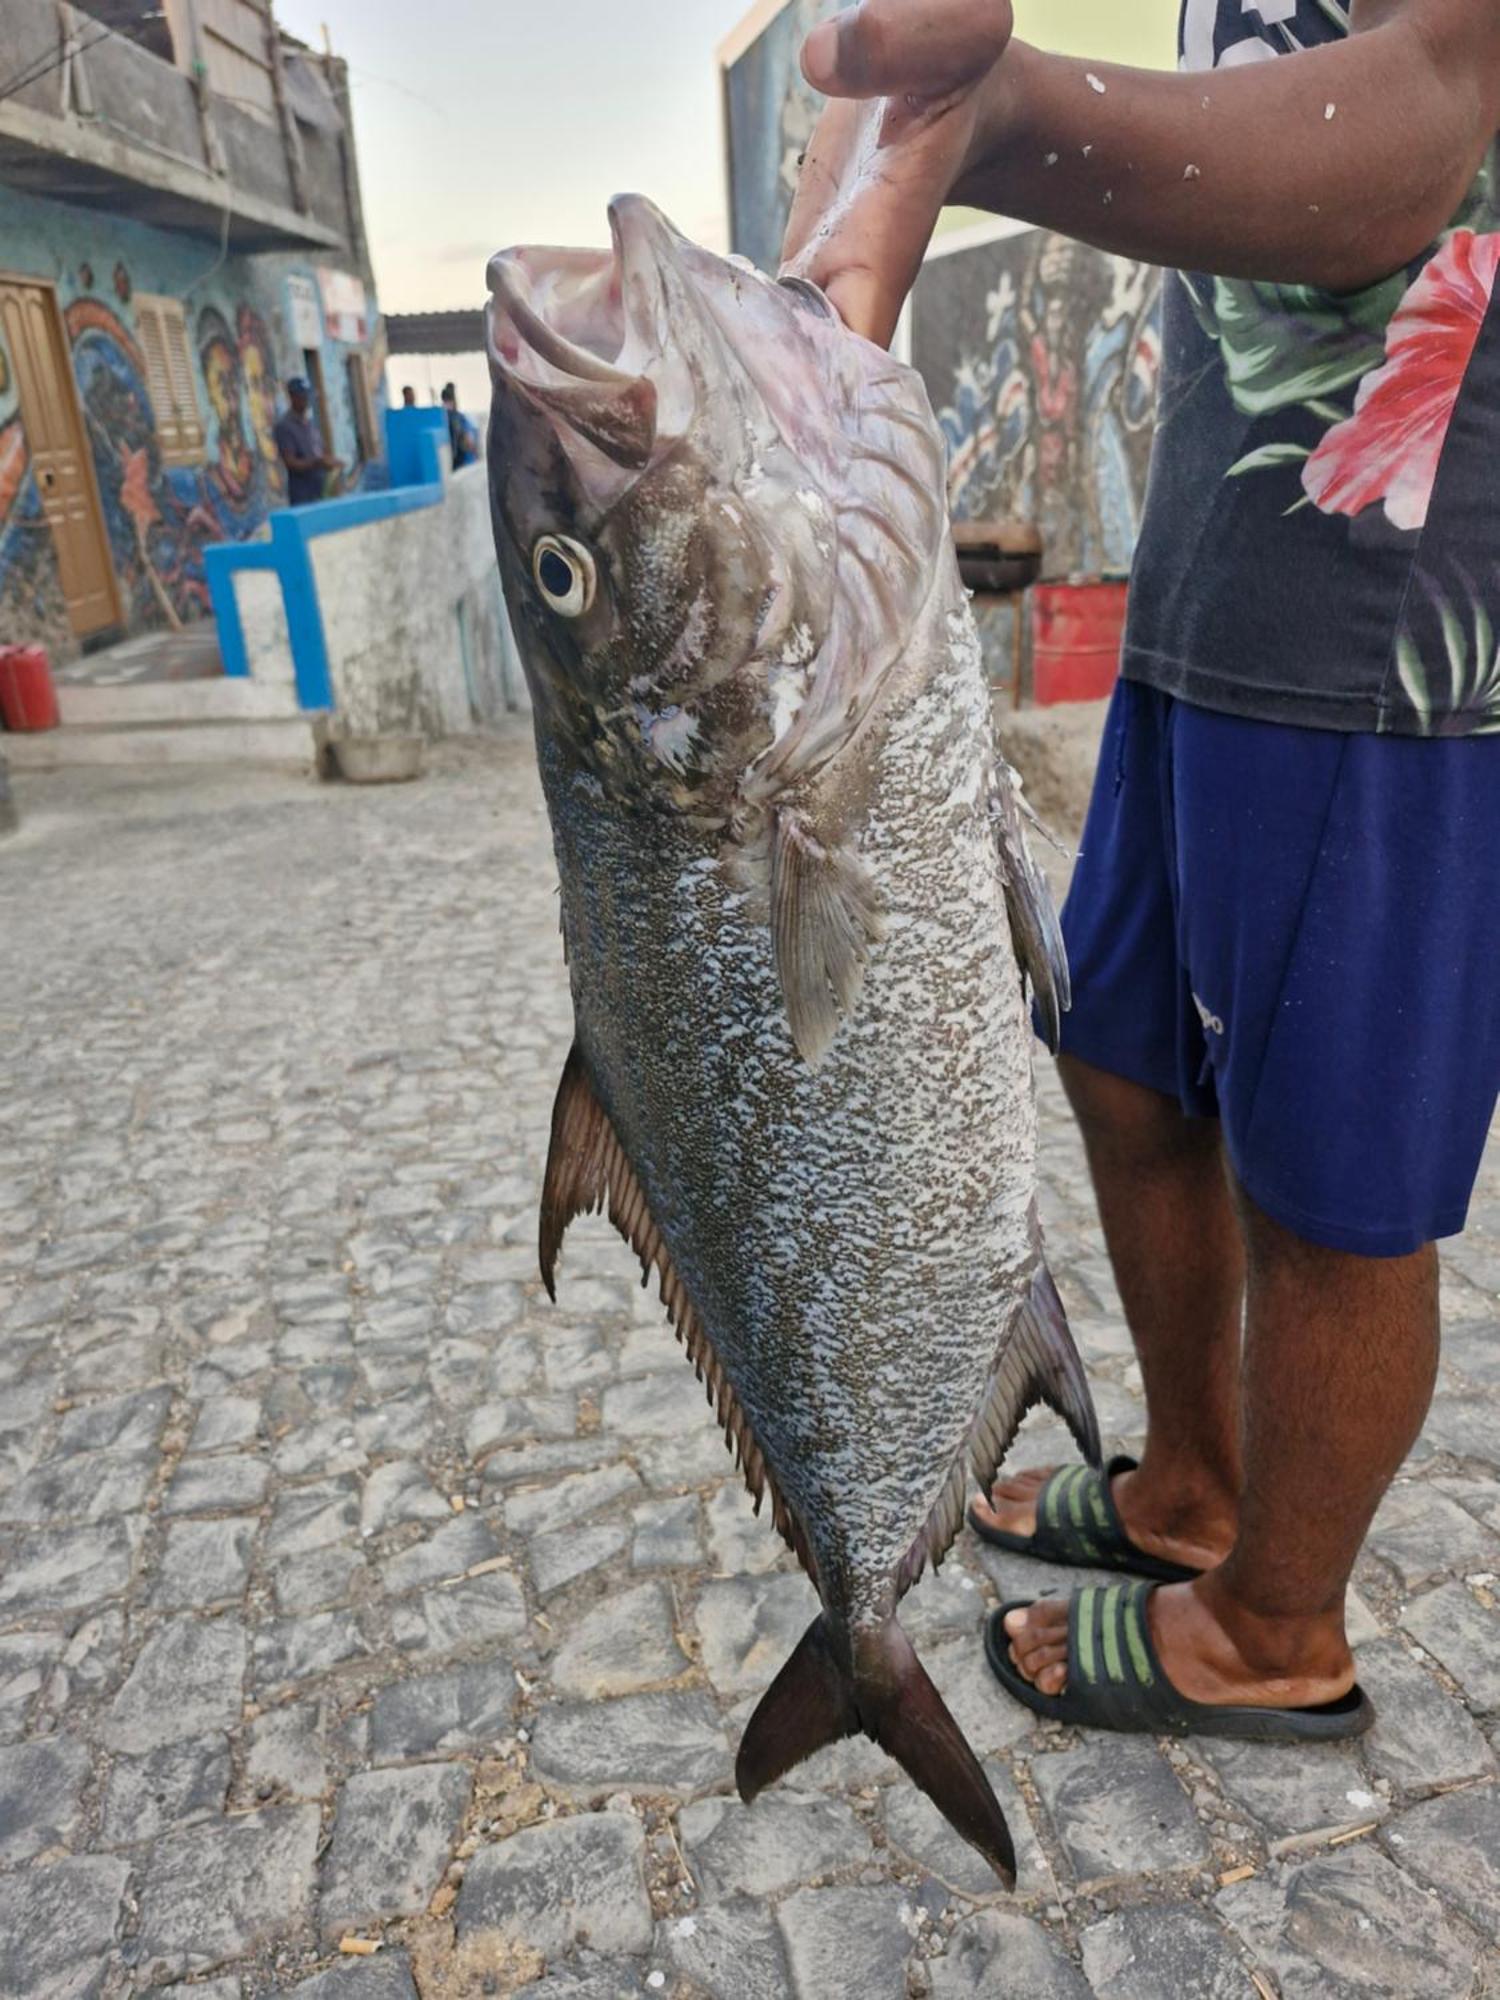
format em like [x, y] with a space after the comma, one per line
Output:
[413, 619]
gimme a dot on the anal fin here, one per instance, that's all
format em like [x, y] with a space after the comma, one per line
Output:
[587, 1170]
[1037, 1363]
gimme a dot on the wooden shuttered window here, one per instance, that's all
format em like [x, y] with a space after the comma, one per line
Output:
[162, 332]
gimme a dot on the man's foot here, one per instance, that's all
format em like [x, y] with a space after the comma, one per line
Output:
[1211, 1651]
[1196, 1535]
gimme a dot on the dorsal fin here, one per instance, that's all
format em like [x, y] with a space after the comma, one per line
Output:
[587, 1170]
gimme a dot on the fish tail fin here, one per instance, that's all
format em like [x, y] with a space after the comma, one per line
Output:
[836, 1684]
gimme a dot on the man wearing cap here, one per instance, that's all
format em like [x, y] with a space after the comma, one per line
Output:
[300, 443]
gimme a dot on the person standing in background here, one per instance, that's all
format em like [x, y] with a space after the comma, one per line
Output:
[462, 435]
[300, 443]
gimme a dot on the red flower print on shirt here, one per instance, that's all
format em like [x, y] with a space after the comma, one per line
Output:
[1389, 450]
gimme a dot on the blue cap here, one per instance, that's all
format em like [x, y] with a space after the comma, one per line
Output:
[298, 385]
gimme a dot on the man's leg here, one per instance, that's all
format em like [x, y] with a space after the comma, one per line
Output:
[1176, 1248]
[1340, 1360]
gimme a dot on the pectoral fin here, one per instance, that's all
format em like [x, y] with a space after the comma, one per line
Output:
[824, 920]
[1034, 930]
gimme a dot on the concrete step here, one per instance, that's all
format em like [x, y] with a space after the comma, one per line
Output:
[276, 740]
[216, 700]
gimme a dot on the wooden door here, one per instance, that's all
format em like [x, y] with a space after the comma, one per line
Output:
[33, 333]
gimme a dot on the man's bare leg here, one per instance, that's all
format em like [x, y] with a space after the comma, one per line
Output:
[1340, 1360]
[1174, 1241]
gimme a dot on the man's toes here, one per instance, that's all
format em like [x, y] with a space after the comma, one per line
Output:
[1051, 1680]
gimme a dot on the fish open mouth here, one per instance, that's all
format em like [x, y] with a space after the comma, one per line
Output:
[568, 316]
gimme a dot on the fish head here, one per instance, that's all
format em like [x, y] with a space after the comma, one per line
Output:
[667, 436]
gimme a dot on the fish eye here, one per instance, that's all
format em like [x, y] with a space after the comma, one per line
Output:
[564, 572]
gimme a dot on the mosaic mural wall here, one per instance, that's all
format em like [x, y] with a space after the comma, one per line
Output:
[1041, 356]
[158, 517]
[1042, 359]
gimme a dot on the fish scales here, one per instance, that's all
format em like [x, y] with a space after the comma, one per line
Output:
[796, 906]
[857, 1234]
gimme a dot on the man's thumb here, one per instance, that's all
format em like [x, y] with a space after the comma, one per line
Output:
[884, 48]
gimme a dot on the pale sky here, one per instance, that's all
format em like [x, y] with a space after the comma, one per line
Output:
[480, 125]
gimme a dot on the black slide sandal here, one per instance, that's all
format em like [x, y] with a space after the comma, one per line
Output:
[1078, 1526]
[1115, 1681]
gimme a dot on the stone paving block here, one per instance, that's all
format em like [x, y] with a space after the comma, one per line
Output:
[464, 1708]
[1349, 1923]
[286, 1752]
[666, 1534]
[1422, 1534]
[310, 1517]
[517, 1417]
[785, 1839]
[203, 1563]
[625, 1643]
[149, 1795]
[988, 1717]
[407, 1422]
[323, 1449]
[727, 1951]
[947, 1603]
[1163, 1953]
[25, 1660]
[319, 1578]
[511, 1466]
[295, 1649]
[202, 1989]
[387, 1976]
[1118, 1811]
[1422, 1736]
[668, 1405]
[397, 1492]
[846, 1941]
[577, 1358]
[57, 1923]
[1464, 1635]
[225, 1420]
[997, 1955]
[641, 1743]
[1465, 1426]
[235, 1482]
[566, 1554]
[475, 1613]
[187, 1680]
[93, 1486]
[118, 1423]
[691, 1459]
[741, 1543]
[393, 1836]
[218, 1892]
[748, 1627]
[915, 1828]
[1296, 1792]
[568, 1501]
[1453, 1843]
[41, 1796]
[562, 1883]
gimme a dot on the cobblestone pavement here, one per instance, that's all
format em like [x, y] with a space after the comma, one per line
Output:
[350, 1592]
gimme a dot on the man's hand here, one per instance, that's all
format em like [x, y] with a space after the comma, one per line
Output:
[904, 77]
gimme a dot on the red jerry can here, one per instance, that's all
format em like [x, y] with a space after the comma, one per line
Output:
[1077, 630]
[28, 700]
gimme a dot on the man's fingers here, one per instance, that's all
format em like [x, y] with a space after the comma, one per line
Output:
[889, 48]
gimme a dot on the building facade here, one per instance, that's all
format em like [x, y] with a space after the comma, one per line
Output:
[180, 230]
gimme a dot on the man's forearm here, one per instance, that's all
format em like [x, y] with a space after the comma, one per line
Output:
[1332, 167]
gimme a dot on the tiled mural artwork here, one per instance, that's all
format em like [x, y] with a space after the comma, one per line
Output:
[1042, 359]
[158, 517]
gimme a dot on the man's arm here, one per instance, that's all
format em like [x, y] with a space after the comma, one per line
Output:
[1331, 167]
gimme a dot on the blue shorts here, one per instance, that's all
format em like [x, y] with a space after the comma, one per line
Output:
[1298, 931]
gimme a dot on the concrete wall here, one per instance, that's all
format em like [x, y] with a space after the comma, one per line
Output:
[158, 518]
[412, 619]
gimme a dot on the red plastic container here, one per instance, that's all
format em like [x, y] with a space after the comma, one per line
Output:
[1077, 630]
[28, 700]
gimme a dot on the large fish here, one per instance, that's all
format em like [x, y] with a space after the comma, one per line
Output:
[799, 916]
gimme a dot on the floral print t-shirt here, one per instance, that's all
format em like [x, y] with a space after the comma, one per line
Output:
[1322, 534]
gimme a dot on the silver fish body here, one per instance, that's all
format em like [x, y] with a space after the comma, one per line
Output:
[797, 906]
